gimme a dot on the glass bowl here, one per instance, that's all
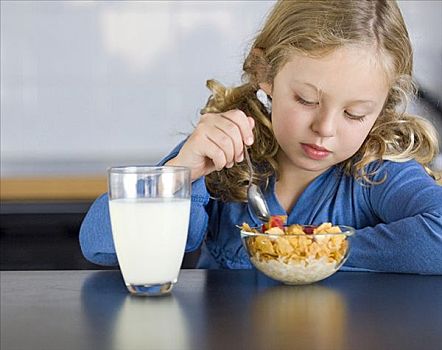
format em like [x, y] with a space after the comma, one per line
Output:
[298, 258]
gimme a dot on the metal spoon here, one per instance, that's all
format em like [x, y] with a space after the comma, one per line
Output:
[255, 197]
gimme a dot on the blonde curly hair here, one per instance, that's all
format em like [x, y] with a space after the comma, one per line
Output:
[317, 28]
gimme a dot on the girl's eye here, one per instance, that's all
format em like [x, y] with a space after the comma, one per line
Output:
[355, 117]
[306, 103]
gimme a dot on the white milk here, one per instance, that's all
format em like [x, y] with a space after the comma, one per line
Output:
[150, 237]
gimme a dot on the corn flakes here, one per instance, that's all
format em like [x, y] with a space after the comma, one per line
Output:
[296, 242]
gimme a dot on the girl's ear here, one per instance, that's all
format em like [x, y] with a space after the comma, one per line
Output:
[266, 87]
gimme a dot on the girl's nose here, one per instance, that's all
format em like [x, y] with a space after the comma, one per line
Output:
[324, 123]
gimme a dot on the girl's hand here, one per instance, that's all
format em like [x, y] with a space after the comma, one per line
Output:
[217, 142]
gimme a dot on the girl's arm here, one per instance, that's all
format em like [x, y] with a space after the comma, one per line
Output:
[409, 203]
[96, 235]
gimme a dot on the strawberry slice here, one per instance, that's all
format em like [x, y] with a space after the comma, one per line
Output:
[309, 230]
[275, 221]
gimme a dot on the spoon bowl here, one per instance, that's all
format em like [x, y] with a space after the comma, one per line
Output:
[255, 197]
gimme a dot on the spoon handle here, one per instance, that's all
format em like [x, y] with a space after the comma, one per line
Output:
[249, 163]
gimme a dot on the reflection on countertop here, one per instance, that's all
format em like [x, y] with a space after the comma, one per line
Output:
[313, 314]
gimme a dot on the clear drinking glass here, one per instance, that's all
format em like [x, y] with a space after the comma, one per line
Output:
[149, 211]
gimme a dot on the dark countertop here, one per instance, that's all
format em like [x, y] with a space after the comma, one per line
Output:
[220, 309]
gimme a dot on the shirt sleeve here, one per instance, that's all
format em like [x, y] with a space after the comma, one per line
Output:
[96, 233]
[409, 237]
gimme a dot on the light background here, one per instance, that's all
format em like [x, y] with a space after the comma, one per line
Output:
[86, 85]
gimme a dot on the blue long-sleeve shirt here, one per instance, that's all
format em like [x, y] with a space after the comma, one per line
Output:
[398, 223]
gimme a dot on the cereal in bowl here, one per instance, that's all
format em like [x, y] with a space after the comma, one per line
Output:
[296, 254]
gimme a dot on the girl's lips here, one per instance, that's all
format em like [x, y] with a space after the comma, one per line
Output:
[315, 152]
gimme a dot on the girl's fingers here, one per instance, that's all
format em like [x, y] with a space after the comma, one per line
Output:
[215, 154]
[242, 121]
[224, 141]
[251, 123]
[220, 138]
[232, 131]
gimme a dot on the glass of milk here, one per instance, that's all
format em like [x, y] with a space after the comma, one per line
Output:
[149, 212]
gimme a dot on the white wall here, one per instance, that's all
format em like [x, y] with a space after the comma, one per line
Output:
[86, 85]
[424, 21]
[109, 82]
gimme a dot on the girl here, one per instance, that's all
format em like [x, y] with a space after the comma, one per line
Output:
[321, 111]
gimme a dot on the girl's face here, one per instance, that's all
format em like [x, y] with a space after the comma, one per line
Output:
[324, 108]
